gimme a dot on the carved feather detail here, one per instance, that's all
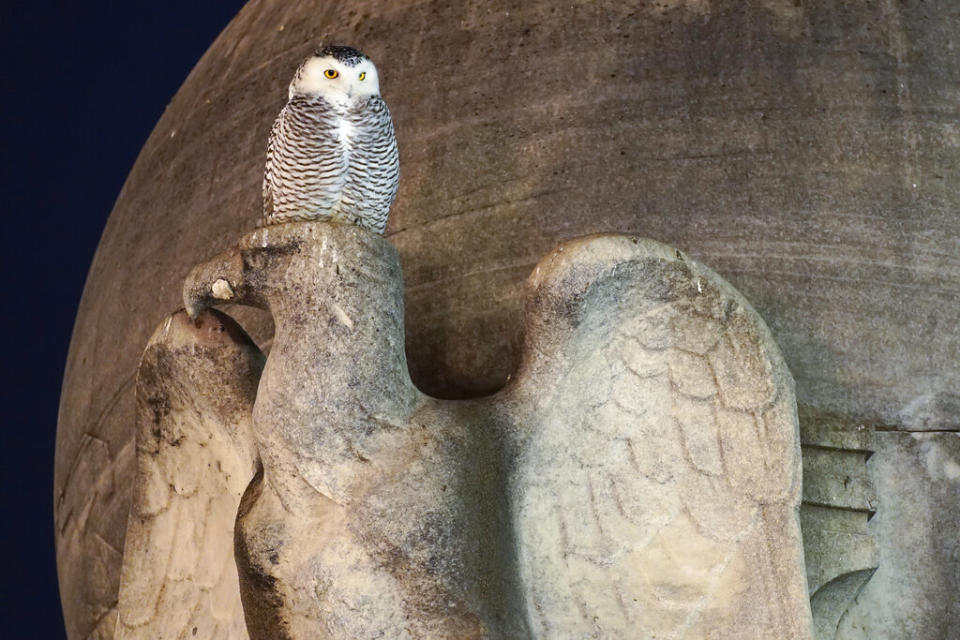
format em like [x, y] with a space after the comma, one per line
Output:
[195, 455]
[657, 475]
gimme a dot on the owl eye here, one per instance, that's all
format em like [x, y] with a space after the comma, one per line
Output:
[331, 73]
[363, 74]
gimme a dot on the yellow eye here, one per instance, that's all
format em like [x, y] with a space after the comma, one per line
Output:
[331, 73]
[363, 74]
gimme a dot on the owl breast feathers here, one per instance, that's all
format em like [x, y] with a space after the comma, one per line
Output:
[332, 153]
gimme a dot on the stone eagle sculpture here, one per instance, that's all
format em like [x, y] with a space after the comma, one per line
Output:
[638, 477]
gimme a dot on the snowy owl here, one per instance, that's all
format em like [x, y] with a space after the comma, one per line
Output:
[332, 153]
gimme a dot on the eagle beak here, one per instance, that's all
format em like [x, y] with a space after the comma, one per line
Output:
[214, 282]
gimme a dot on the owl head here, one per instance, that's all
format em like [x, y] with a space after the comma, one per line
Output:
[339, 74]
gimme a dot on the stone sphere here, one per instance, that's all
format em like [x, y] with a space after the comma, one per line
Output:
[809, 152]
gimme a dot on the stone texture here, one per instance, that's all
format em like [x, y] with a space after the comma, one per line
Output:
[576, 502]
[366, 519]
[913, 593]
[195, 455]
[809, 152]
[654, 488]
[839, 498]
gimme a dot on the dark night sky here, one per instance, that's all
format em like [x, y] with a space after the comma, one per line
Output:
[82, 86]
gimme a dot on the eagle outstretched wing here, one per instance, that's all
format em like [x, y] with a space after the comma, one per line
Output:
[656, 461]
[195, 456]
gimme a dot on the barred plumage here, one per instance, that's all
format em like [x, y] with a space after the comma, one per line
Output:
[332, 151]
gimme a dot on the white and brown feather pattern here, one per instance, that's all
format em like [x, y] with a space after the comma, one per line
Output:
[373, 165]
[327, 161]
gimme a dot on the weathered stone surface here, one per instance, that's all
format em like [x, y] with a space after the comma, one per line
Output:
[577, 502]
[838, 478]
[808, 152]
[831, 602]
[367, 519]
[913, 593]
[654, 488]
[195, 455]
[839, 498]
